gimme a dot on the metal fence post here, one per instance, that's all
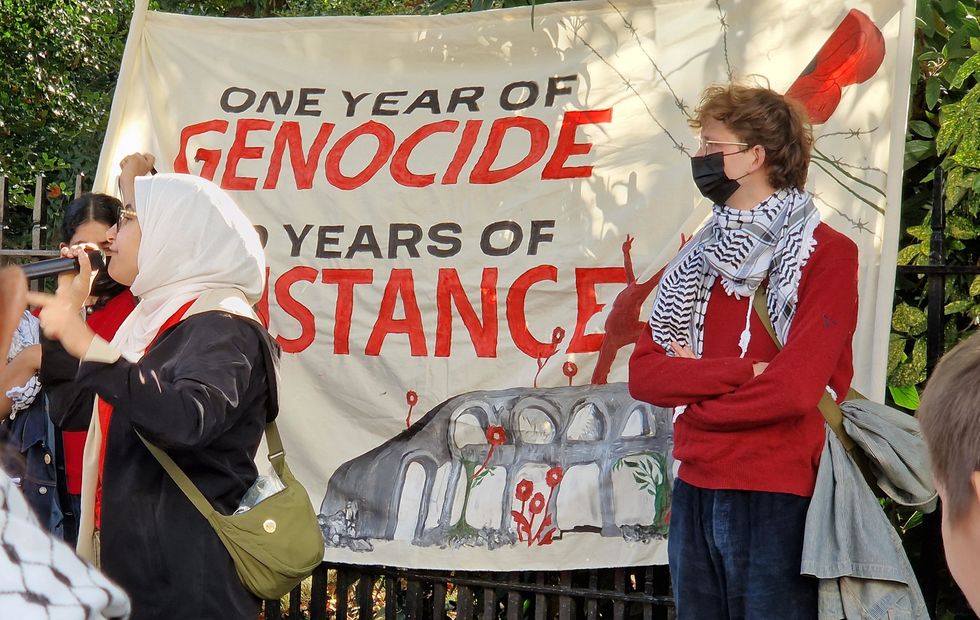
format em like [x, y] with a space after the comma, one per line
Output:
[936, 279]
[3, 207]
[39, 223]
[79, 181]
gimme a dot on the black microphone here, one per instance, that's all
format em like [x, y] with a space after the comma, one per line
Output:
[54, 266]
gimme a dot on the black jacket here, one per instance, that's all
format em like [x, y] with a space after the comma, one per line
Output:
[203, 393]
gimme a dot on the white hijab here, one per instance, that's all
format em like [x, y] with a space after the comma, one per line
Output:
[195, 239]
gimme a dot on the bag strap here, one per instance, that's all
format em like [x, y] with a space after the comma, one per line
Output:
[276, 452]
[181, 480]
[273, 440]
[828, 406]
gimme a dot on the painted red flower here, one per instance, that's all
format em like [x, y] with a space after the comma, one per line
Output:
[537, 504]
[524, 489]
[554, 476]
[411, 398]
[558, 335]
[496, 435]
[570, 370]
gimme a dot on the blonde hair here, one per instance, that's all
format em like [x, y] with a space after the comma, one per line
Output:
[950, 417]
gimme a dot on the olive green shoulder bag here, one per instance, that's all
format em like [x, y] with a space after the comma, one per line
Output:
[277, 542]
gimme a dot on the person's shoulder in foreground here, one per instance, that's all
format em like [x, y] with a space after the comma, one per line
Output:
[41, 577]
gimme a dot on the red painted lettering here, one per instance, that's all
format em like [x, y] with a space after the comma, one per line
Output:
[586, 279]
[567, 146]
[400, 284]
[210, 157]
[295, 309]
[538, 132]
[483, 334]
[517, 312]
[345, 279]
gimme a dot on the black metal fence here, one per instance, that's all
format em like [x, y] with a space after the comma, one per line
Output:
[375, 592]
[39, 221]
[936, 272]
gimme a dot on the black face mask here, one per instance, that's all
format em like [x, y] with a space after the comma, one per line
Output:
[709, 176]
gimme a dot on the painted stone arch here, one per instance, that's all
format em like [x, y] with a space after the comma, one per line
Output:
[640, 422]
[410, 500]
[535, 421]
[468, 425]
[587, 422]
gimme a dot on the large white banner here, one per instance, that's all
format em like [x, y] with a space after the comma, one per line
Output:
[466, 216]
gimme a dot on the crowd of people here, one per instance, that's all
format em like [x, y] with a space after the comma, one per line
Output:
[120, 373]
[749, 341]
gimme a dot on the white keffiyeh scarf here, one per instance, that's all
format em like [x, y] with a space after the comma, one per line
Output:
[773, 240]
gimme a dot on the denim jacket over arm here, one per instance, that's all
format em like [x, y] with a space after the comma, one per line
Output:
[849, 544]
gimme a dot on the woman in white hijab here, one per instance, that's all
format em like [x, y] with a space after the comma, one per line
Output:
[192, 371]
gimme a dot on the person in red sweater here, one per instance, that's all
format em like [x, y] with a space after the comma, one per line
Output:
[87, 220]
[747, 432]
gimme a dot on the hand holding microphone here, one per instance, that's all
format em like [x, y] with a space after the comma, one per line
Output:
[61, 317]
[55, 266]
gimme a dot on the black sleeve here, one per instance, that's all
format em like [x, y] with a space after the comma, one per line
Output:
[69, 403]
[185, 392]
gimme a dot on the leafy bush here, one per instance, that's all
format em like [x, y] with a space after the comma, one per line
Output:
[57, 76]
[944, 130]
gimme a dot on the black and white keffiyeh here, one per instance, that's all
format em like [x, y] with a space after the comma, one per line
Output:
[773, 240]
[41, 577]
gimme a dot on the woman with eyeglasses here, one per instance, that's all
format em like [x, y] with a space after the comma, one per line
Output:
[191, 371]
[748, 435]
[87, 220]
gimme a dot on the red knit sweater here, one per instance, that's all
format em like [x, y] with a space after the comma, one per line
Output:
[760, 433]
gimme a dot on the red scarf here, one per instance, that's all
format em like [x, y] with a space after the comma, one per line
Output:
[104, 322]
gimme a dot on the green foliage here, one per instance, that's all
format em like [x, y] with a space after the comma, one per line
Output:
[649, 471]
[944, 130]
[58, 71]
[57, 74]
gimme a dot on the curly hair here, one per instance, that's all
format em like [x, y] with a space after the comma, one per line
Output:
[761, 116]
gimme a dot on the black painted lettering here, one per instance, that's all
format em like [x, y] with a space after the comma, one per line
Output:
[296, 241]
[325, 240]
[437, 234]
[364, 241]
[505, 226]
[226, 99]
[279, 106]
[352, 101]
[465, 95]
[508, 91]
[307, 98]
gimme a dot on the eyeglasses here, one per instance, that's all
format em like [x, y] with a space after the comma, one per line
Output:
[125, 215]
[709, 147]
